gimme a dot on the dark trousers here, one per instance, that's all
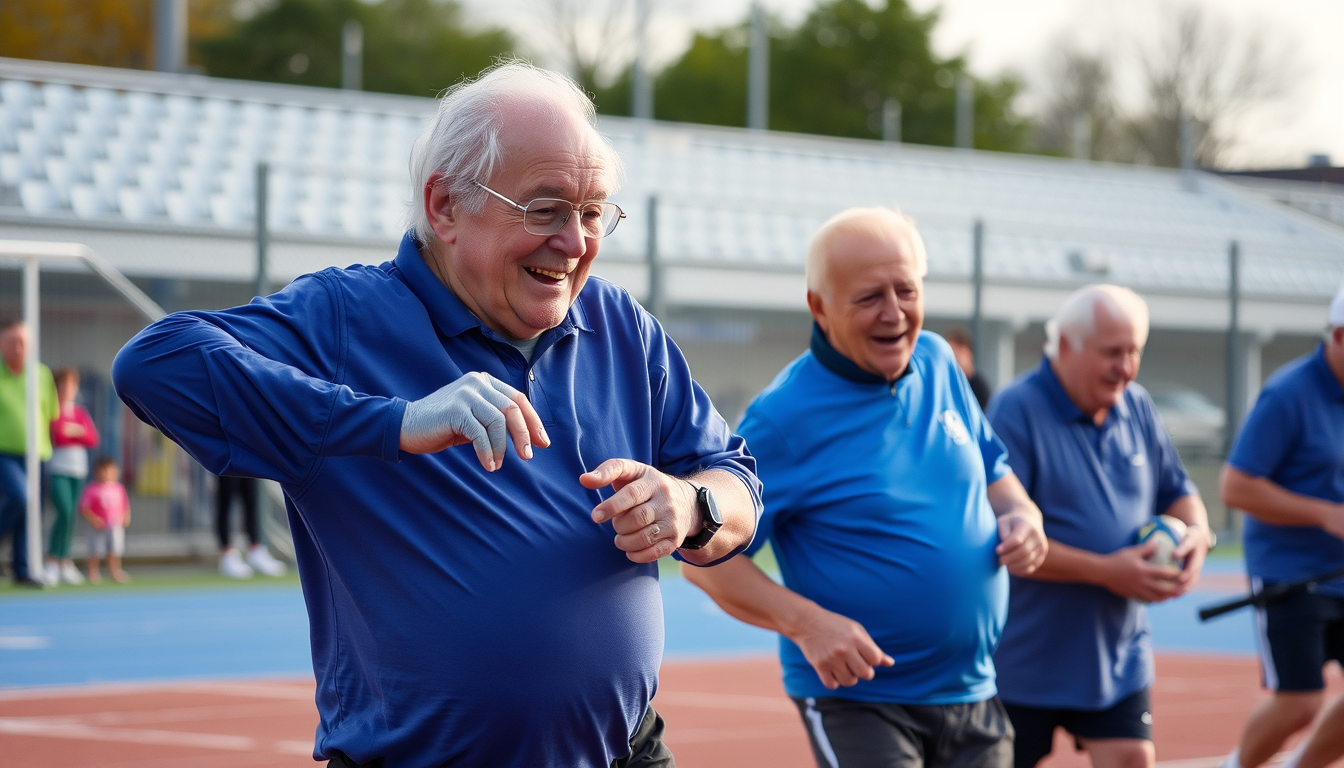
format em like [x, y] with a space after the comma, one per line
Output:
[14, 510]
[245, 488]
[647, 749]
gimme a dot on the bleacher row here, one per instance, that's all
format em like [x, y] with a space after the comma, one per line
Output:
[138, 156]
[186, 156]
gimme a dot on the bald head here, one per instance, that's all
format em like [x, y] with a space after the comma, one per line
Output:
[843, 231]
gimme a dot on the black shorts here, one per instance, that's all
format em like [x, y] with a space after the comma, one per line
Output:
[862, 734]
[1129, 718]
[1297, 635]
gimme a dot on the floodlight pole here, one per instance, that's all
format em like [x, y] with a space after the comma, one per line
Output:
[1236, 399]
[32, 253]
[263, 183]
[657, 300]
[977, 292]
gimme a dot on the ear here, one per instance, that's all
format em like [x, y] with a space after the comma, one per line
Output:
[818, 309]
[1337, 336]
[439, 204]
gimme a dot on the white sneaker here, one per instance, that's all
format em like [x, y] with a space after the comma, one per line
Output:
[70, 574]
[51, 574]
[231, 565]
[262, 562]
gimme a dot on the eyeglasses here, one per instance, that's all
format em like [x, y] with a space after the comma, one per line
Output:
[548, 215]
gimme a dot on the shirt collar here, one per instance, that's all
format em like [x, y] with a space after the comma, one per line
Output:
[1328, 380]
[1065, 405]
[840, 365]
[448, 312]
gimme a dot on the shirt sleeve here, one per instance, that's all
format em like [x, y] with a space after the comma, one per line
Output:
[1173, 482]
[1267, 436]
[774, 463]
[1009, 417]
[254, 391]
[90, 437]
[693, 436]
[992, 450]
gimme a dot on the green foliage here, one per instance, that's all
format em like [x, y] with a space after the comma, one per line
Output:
[831, 75]
[416, 47]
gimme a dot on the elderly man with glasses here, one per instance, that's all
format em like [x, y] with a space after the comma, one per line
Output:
[466, 609]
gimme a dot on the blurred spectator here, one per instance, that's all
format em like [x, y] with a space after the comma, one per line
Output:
[107, 508]
[231, 561]
[961, 347]
[72, 435]
[14, 341]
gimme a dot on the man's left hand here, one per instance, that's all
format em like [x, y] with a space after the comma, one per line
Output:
[1022, 542]
[652, 512]
[1192, 550]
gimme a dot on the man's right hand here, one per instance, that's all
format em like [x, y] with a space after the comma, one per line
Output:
[477, 409]
[1128, 574]
[838, 648]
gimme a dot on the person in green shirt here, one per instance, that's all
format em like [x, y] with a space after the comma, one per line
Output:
[14, 341]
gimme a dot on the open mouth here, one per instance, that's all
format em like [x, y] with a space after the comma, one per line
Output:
[546, 276]
[889, 341]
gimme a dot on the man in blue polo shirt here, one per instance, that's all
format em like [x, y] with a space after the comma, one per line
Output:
[1090, 449]
[466, 609]
[891, 512]
[1286, 472]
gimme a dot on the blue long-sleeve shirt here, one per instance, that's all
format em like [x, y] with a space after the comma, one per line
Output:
[458, 617]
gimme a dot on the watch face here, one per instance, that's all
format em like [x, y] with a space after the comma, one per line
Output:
[710, 508]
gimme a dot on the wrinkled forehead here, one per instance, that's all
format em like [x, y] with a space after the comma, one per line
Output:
[542, 135]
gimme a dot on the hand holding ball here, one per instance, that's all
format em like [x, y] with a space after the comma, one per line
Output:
[1166, 532]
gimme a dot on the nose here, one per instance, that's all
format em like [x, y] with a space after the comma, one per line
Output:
[891, 311]
[570, 240]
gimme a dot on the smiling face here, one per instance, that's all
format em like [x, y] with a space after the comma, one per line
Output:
[1095, 376]
[520, 284]
[871, 302]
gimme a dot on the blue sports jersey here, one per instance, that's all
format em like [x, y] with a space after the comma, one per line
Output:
[1294, 436]
[875, 506]
[1079, 646]
[457, 616]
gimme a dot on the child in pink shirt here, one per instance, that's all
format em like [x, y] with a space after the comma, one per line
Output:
[105, 505]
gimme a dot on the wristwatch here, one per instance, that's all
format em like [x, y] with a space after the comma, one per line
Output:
[709, 516]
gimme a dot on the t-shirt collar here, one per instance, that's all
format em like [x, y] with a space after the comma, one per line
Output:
[1065, 405]
[1328, 380]
[450, 315]
[840, 365]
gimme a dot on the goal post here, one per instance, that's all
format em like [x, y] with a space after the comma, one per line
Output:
[33, 254]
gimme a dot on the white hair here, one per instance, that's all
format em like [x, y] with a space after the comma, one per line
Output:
[1076, 318]
[462, 143]
[877, 222]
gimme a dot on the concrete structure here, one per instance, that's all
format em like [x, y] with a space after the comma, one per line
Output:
[157, 173]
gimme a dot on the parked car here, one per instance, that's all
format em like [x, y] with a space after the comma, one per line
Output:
[1194, 422]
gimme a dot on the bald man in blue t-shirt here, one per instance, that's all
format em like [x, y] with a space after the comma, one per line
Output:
[892, 513]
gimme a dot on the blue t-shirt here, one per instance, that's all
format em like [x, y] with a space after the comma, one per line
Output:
[1078, 646]
[457, 616]
[1294, 436]
[875, 506]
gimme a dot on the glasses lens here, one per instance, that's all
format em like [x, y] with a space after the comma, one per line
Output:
[546, 216]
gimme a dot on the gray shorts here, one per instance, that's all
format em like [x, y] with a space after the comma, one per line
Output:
[861, 734]
[107, 541]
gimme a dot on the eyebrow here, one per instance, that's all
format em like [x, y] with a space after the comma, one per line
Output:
[550, 190]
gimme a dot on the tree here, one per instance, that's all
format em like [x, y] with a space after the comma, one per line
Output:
[831, 75]
[1081, 84]
[1202, 70]
[416, 47]
[108, 33]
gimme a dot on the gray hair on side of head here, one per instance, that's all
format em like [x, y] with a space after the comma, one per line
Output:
[876, 221]
[462, 142]
[1076, 318]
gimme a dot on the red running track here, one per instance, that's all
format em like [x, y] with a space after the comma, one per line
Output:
[719, 714]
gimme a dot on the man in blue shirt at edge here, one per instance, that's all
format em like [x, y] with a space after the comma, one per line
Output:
[465, 610]
[1286, 472]
[1092, 452]
[890, 511]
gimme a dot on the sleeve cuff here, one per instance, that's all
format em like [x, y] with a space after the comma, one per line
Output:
[392, 430]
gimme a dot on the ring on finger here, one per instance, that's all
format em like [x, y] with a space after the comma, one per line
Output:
[654, 530]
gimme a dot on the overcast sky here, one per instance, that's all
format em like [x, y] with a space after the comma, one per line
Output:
[1017, 35]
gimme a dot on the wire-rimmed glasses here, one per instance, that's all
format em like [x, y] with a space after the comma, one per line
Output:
[547, 215]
